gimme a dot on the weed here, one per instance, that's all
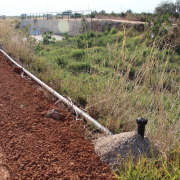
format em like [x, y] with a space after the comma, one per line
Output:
[113, 31]
[78, 54]
[47, 37]
[150, 168]
[79, 67]
[61, 60]
[65, 36]
[117, 77]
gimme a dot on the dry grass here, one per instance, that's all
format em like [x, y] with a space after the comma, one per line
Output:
[123, 100]
[15, 42]
[118, 101]
[128, 16]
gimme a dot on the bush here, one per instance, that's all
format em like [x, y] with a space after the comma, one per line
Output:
[91, 34]
[168, 7]
[38, 66]
[132, 32]
[78, 54]
[82, 39]
[136, 41]
[37, 48]
[80, 66]
[122, 14]
[61, 61]
[92, 15]
[47, 37]
[65, 36]
[82, 101]
[114, 30]
[159, 26]
[132, 73]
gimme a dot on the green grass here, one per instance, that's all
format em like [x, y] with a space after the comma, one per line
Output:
[150, 168]
[121, 71]
[117, 76]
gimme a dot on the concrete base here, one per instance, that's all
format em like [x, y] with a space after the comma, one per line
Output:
[109, 148]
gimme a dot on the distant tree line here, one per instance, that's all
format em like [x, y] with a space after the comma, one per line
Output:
[169, 7]
[166, 6]
[129, 14]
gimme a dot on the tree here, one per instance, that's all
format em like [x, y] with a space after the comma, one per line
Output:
[178, 6]
[129, 11]
[94, 13]
[169, 7]
[159, 26]
[102, 12]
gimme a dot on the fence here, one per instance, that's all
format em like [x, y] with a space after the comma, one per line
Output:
[64, 15]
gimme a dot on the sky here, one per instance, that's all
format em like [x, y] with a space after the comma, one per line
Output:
[18, 7]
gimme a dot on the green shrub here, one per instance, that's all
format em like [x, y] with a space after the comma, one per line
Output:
[65, 36]
[106, 32]
[148, 42]
[61, 60]
[132, 73]
[79, 66]
[47, 37]
[174, 59]
[132, 32]
[82, 101]
[102, 41]
[100, 34]
[114, 30]
[91, 34]
[81, 41]
[159, 26]
[86, 39]
[150, 168]
[178, 49]
[37, 48]
[78, 54]
[136, 40]
[99, 58]
[38, 66]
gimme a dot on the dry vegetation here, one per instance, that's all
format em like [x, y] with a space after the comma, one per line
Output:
[123, 82]
[14, 41]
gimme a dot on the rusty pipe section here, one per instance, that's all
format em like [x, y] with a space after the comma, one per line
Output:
[64, 100]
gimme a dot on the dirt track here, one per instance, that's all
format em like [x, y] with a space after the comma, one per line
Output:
[35, 147]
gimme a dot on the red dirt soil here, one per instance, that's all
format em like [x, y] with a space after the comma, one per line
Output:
[36, 147]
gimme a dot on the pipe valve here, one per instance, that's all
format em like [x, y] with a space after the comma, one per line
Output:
[141, 125]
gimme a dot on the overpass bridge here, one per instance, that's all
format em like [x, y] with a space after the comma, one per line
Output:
[72, 22]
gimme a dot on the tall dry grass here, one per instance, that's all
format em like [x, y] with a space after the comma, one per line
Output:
[122, 100]
[118, 100]
[16, 42]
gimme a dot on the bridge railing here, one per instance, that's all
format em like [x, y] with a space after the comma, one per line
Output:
[63, 15]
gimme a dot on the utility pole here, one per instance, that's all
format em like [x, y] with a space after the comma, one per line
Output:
[47, 10]
[47, 7]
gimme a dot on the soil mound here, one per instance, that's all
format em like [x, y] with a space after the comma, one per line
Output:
[110, 147]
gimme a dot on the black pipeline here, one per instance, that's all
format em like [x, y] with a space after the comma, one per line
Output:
[141, 125]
